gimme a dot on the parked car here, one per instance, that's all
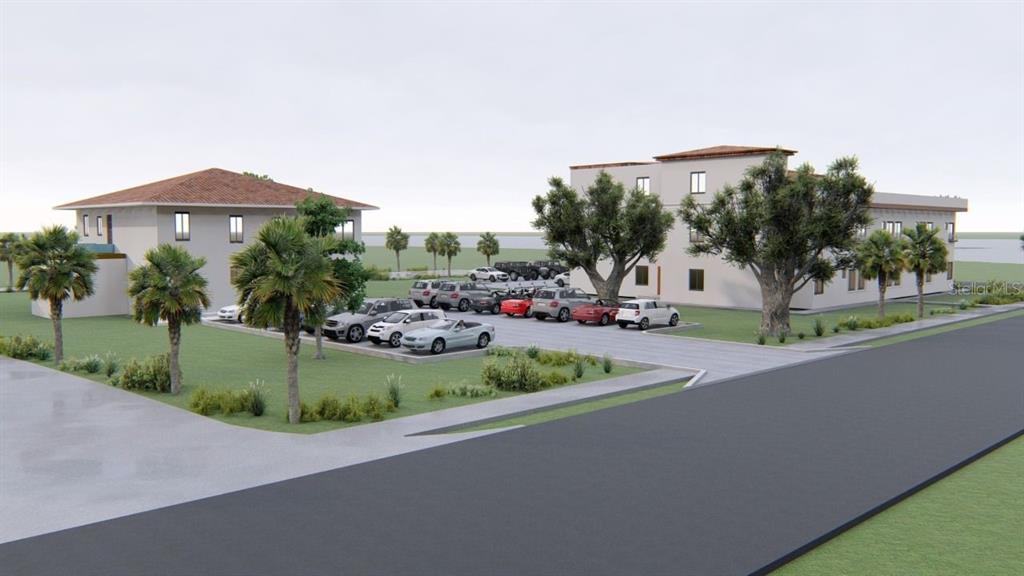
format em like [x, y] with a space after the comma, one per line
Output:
[449, 334]
[548, 268]
[392, 328]
[520, 304]
[601, 312]
[492, 302]
[352, 325]
[562, 279]
[424, 292]
[519, 270]
[558, 303]
[460, 294]
[488, 273]
[233, 312]
[643, 313]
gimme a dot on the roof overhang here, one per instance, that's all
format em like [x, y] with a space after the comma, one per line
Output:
[196, 205]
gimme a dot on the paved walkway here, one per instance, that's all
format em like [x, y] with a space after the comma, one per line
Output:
[74, 451]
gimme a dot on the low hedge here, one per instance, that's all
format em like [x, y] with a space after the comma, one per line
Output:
[25, 348]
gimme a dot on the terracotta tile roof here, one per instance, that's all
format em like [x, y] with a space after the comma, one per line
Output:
[212, 187]
[608, 165]
[720, 152]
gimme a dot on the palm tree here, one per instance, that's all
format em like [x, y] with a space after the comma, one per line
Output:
[450, 246]
[396, 241]
[169, 287]
[280, 277]
[925, 253]
[881, 256]
[9, 245]
[55, 267]
[432, 244]
[488, 245]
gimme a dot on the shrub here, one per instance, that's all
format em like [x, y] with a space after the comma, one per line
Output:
[394, 389]
[500, 351]
[607, 364]
[228, 402]
[555, 378]
[761, 337]
[203, 402]
[819, 327]
[472, 391]
[852, 323]
[578, 369]
[25, 348]
[375, 273]
[519, 374]
[962, 304]
[835, 329]
[782, 337]
[801, 335]
[256, 398]
[558, 359]
[110, 364]
[153, 373]
[305, 413]
[532, 352]
[91, 364]
[438, 392]
[231, 401]
[374, 406]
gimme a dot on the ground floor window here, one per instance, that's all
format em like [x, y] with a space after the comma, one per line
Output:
[851, 280]
[696, 279]
[949, 270]
[927, 276]
[819, 286]
[85, 224]
[641, 275]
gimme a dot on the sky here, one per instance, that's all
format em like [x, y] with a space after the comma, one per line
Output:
[452, 116]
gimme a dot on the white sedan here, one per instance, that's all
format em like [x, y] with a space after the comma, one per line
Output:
[392, 328]
[642, 313]
[233, 313]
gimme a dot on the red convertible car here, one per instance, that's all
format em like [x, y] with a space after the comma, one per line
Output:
[518, 307]
[601, 312]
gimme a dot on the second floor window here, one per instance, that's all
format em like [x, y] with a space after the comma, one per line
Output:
[235, 233]
[950, 232]
[182, 231]
[698, 182]
[641, 275]
[643, 183]
[85, 224]
[894, 227]
[695, 236]
[696, 279]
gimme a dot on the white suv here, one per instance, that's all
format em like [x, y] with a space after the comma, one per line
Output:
[488, 274]
[392, 328]
[642, 313]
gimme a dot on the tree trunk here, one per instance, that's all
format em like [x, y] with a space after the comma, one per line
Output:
[607, 288]
[291, 344]
[775, 301]
[174, 332]
[10, 276]
[319, 333]
[56, 313]
[881, 295]
[435, 262]
[488, 260]
[398, 262]
[449, 266]
[920, 294]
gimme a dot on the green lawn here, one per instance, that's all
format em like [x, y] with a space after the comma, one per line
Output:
[985, 271]
[223, 359]
[469, 258]
[971, 522]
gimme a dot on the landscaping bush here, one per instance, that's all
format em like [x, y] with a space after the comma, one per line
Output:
[801, 335]
[394, 389]
[438, 392]
[231, 401]
[819, 327]
[416, 268]
[256, 398]
[558, 359]
[518, 374]
[228, 402]
[607, 364]
[835, 329]
[110, 364]
[852, 323]
[374, 406]
[203, 402]
[375, 273]
[939, 311]
[91, 364]
[962, 304]
[761, 337]
[501, 351]
[999, 299]
[25, 348]
[305, 414]
[578, 369]
[532, 352]
[782, 337]
[153, 373]
[555, 378]
[472, 391]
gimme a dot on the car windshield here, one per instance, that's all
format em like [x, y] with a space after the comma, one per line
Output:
[444, 324]
[448, 286]
[419, 285]
[631, 306]
[545, 294]
[396, 318]
[365, 308]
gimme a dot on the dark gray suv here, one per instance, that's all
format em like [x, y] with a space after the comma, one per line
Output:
[352, 325]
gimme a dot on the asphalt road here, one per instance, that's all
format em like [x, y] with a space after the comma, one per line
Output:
[724, 479]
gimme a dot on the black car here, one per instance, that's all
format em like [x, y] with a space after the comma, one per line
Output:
[519, 270]
[548, 269]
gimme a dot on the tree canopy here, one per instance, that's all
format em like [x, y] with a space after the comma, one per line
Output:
[488, 246]
[396, 241]
[925, 253]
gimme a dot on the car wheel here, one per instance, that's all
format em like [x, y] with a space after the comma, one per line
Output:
[582, 321]
[445, 307]
[674, 320]
[373, 340]
[240, 319]
[355, 334]
[528, 313]
[563, 315]
[540, 316]
[623, 324]
[514, 276]
[644, 324]
[433, 302]
[395, 340]
[493, 278]
[309, 331]
[483, 340]
[509, 314]
[418, 303]
[437, 346]
[496, 309]
[472, 277]
[604, 320]
[463, 305]
[560, 282]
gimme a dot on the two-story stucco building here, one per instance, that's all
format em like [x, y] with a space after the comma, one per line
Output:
[213, 213]
[680, 278]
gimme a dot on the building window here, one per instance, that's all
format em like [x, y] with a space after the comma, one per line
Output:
[643, 183]
[851, 280]
[927, 277]
[348, 230]
[641, 276]
[695, 236]
[235, 233]
[99, 225]
[893, 280]
[894, 227]
[85, 224]
[862, 232]
[928, 225]
[949, 270]
[696, 279]
[182, 231]
[819, 286]
[698, 182]
[950, 232]
[860, 282]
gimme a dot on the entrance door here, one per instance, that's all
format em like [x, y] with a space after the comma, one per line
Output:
[110, 229]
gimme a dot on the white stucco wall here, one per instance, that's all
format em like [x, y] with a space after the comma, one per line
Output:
[110, 298]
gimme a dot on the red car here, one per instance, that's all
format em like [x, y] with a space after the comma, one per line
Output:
[518, 307]
[601, 312]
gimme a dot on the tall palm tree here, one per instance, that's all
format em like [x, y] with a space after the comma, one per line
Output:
[488, 245]
[881, 256]
[432, 244]
[55, 267]
[396, 241]
[925, 253]
[450, 247]
[169, 287]
[9, 246]
[280, 277]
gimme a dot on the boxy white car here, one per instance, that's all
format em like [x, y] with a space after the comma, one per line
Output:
[232, 312]
[392, 328]
[642, 313]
